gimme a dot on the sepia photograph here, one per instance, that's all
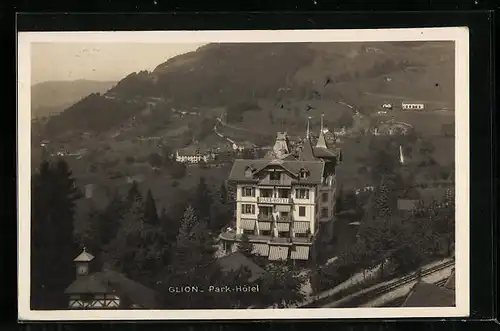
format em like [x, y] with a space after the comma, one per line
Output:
[243, 174]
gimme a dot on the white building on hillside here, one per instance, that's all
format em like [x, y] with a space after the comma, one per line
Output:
[412, 106]
[283, 200]
[193, 155]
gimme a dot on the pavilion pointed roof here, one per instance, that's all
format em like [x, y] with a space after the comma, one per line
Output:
[84, 256]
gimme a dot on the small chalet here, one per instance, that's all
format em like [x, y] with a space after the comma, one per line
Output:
[408, 200]
[106, 289]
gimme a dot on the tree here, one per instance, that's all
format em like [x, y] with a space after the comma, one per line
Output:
[133, 194]
[384, 200]
[281, 286]
[223, 193]
[203, 200]
[245, 246]
[52, 246]
[168, 155]
[186, 257]
[155, 160]
[220, 210]
[150, 211]
[138, 248]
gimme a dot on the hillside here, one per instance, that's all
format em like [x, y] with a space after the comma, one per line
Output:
[218, 74]
[294, 75]
[52, 97]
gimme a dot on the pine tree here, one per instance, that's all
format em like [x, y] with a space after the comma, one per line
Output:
[185, 258]
[383, 203]
[220, 210]
[223, 195]
[133, 194]
[52, 246]
[150, 211]
[203, 200]
[138, 249]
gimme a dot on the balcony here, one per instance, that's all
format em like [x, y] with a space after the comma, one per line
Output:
[284, 218]
[273, 200]
[265, 217]
[276, 182]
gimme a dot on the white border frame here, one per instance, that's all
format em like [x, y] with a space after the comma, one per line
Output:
[460, 35]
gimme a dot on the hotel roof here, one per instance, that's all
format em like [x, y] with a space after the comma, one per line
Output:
[315, 169]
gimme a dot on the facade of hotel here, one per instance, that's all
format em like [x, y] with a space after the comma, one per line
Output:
[285, 199]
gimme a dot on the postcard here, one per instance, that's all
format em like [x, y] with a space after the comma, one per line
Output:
[246, 175]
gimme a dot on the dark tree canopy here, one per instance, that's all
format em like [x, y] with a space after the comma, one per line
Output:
[52, 249]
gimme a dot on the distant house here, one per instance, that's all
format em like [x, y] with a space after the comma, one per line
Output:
[412, 106]
[107, 289]
[408, 200]
[193, 155]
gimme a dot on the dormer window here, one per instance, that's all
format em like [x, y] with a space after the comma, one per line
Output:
[304, 173]
[249, 172]
[275, 175]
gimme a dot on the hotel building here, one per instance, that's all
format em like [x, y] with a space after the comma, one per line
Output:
[285, 199]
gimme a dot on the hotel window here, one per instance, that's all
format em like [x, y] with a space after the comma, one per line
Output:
[324, 212]
[324, 197]
[302, 211]
[282, 193]
[302, 193]
[284, 234]
[275, 175]
[249, 232]
[266, 193]
[265, 232]
[303, 173]
[248, 209]
[248, 192]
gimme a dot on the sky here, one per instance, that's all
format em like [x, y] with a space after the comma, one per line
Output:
[98, 61]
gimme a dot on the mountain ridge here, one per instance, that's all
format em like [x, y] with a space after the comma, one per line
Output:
[221, 75]
[52, 97]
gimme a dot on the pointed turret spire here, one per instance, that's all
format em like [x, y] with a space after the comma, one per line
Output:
[401, 156]
[307, 131]
[321, 139]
